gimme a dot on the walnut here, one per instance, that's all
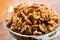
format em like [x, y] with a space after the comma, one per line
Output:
[42, 28]
[35, 19]
[37, 33]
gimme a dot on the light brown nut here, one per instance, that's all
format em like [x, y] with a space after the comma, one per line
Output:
[14, 17]
[35, 6]
[22, 30]
[39, 21]
[14, 24]
[51, 22]
[43, 15]
[25, 17]
[50, 28]
[19, 28]
[19, 23]
[35, 16]
[29, 15]
[37, 33]
[55, 17]
[12, 27]
[38, 13]
[24, 23]
[28, 10]
[35, 22]
[43, 8]
[29, 29]
[26, 26]
[42, 19]
[43, 29]
[55, 25]
[33, 26]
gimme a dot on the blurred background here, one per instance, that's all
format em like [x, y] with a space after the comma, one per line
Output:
[4, 5]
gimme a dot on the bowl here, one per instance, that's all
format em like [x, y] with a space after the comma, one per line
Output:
[16, 36]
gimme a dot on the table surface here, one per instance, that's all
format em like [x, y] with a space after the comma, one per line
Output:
[4, 4]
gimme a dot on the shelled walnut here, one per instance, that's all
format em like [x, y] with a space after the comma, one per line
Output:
[34, 19]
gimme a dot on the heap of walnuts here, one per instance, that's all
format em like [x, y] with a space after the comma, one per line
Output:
[34, 19]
